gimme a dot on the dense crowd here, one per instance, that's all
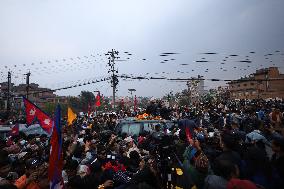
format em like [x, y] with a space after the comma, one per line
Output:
[211, 145]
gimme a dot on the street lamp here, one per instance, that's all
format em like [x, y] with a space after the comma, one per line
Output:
[131, 91]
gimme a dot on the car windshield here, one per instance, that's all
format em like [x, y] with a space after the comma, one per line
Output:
[150, 126]
[131, 128]
[169, 125]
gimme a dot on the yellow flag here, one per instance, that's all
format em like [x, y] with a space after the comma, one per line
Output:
[71, 116]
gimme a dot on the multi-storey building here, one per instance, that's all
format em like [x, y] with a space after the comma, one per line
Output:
[40, 96]
[264, 83]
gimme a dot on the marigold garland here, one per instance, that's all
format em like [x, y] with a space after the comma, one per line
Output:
[146, 116]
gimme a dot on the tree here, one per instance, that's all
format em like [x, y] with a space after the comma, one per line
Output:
[143, 102]
[184, 98]
[49, 108]
[87, 98]
[121, 106]
[75, 104]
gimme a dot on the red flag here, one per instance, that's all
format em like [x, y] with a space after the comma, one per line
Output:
[98, 100]
[188, 134]
[10, 141]
[56, 153]
[45, 121]
[31, 110]
[35, 113]
[15, 130]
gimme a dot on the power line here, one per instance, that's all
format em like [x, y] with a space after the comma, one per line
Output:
[69, 87]
[197, 79]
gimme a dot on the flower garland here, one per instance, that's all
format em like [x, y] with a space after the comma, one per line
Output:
[146, 116]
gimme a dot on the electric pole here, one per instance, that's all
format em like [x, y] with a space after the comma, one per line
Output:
[8, 92]
[28, 84]
[114, 81]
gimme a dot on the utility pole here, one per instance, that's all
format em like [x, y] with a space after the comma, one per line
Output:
[114, 81]
[28, 84]
[8, 92]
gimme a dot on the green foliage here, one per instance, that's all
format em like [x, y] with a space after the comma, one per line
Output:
[105, 105]
[64, 109]
[80, 104]
[144, 102]
[120, 106]
[49, 108]
[75, 104]
[210, 96]
[86, 98]
[181, 98]
[184, 101]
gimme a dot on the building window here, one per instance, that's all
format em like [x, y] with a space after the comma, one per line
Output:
[252, 84]
[239, 85]
[245, 85]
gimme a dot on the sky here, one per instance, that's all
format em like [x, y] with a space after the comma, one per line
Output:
[63, 43]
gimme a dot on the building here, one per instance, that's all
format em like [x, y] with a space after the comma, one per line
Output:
[38, 95]
[3, 95]
[264, 83]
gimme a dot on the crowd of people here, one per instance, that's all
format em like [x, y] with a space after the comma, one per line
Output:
[211, 145]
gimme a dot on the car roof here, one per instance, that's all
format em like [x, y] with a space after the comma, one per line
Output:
[144, 121]
[35, 128]
[5, 128]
